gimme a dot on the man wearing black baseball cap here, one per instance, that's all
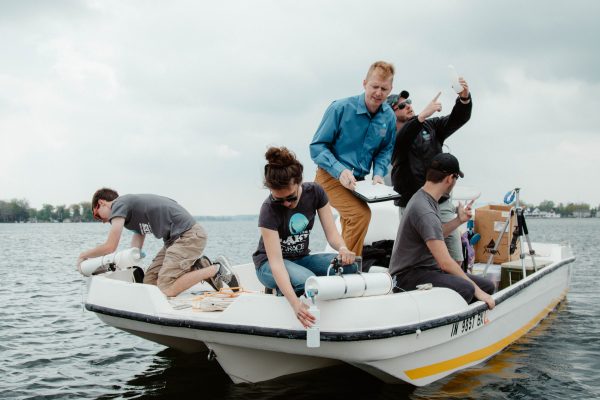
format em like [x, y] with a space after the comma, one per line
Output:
[420, 254]
[401, 105]
[418, 139]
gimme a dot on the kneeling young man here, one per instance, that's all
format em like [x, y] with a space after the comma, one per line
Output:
[420, 254]
[178, 265]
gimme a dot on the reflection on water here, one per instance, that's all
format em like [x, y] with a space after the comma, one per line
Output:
[169, 377]
[507, 365]
[173, 375]
[52, 348]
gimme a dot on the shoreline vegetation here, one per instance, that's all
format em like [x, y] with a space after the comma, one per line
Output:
[18, 210]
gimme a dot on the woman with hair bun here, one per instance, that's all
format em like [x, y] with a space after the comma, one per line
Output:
[286, 218]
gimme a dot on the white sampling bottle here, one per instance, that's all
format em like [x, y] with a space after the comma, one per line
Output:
[313, 334]
[456, 86]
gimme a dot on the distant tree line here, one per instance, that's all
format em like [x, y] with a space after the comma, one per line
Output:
[566, 210]
[18, 210]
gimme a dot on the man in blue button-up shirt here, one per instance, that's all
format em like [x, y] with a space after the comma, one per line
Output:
[356, 133]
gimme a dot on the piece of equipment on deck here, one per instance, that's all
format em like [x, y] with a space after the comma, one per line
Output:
[520, 231]
[118, 260]
[350, 285]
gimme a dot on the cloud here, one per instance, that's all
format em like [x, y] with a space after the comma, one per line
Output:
[184, 100]
[82, 72]
[224, 151]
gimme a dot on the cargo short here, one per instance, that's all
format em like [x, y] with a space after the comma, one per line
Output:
[176, 260]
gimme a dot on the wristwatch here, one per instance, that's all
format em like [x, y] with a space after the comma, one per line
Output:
[465, 98]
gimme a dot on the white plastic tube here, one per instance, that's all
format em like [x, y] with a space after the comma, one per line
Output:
[350, 285]
[313, 334]
[121, 260]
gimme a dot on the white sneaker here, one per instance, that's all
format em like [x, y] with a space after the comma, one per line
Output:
[225, 274]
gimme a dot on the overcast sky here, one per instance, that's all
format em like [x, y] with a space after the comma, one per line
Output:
[182, 98]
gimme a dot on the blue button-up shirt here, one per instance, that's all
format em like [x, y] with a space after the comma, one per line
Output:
[349, 137]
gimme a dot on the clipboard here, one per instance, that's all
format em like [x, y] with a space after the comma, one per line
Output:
[366, 191]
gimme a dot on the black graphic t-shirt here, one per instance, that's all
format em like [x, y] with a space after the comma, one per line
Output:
[293, 225]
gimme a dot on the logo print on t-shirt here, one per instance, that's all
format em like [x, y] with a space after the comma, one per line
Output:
[145, 229]
[298, 223]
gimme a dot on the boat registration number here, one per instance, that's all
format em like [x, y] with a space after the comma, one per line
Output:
[466, 325]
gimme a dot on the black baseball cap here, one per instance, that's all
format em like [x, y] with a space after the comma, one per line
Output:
[394, 99]
[447, 163]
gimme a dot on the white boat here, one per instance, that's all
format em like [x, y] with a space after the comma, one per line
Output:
[416, 337]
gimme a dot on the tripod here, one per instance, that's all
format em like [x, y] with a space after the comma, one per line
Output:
[520, 231]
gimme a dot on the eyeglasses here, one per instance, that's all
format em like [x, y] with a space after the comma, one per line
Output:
[290, 199]
[455, 176]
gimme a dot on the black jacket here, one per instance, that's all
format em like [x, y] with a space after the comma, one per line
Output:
[416, 145]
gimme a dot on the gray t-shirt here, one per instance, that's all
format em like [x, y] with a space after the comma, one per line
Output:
[293, 225]
[152, 214]
[420, 223]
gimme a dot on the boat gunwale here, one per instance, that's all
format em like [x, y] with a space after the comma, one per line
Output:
[374, 334]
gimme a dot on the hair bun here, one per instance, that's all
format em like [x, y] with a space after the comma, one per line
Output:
[282, 169]
[280, 157]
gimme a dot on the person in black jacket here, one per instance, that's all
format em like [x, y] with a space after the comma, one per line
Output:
[419, 139]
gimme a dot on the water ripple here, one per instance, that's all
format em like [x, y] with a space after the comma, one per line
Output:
[53, 349]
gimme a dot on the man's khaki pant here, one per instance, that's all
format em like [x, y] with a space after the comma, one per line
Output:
[176, 260]
[355, 214]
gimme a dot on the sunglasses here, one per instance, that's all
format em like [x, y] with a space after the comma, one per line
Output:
[401, 106]
[280, 200]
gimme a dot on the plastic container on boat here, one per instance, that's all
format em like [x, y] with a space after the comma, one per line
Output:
[313, 334]
[122, 260]
[350, 285]
[456, 86]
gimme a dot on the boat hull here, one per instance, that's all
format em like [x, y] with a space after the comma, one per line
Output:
[416, 337]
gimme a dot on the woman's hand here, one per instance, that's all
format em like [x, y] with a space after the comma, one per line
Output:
[346, 256]
[301, 311]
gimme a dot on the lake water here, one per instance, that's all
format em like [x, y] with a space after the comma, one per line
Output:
[52, 348]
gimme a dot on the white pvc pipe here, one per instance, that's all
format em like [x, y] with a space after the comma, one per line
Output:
[349, 285]
[121, 260]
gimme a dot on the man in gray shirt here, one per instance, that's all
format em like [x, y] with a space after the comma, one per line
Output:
[178, 265]
[420, 255]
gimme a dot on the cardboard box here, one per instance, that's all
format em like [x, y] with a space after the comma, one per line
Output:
[489, 221]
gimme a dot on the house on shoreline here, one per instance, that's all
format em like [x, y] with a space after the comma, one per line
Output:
[536, 213]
